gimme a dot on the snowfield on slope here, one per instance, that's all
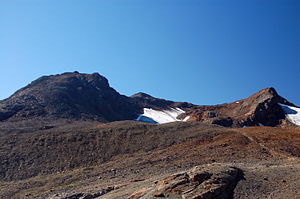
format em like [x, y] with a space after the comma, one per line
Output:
[161, 117]
[292, 113]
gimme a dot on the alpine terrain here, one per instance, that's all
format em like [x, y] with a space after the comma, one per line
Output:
[72, 136]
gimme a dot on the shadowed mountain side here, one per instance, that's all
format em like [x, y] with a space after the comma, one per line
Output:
[147, 101]
[75, 96]
[69, 95]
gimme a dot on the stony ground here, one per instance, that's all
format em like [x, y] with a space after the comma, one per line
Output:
[268, 159]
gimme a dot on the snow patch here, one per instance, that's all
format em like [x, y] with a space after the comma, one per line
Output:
[161, 117]
[186, 118]
[292, 113]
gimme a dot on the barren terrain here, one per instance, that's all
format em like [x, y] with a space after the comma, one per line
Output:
[115, 160]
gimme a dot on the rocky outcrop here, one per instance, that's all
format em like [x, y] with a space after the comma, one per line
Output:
[261, 108]
[202, 182]
[212, 181]
[82, 195]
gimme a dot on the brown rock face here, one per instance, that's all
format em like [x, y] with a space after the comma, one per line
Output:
[260, 108]
[203, 182]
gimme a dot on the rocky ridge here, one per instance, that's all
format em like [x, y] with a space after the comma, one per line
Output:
[260, 109]
[79, 96]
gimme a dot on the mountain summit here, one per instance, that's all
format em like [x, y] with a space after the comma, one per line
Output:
[261, 108]
[79, 96]
[69, 95]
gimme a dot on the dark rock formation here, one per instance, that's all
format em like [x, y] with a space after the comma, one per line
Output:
[89, 195]
[144, 100]
[69, 95]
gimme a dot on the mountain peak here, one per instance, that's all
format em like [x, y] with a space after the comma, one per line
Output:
[267, 94]
[94, 79]
[142, 95]
[80, 96]
[269, 90]
[261, 108]
[68, 95]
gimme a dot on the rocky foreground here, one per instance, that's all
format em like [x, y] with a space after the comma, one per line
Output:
[257, 162]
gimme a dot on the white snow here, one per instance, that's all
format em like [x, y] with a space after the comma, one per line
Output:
[161, 117]
[186, 118]
[292, 113]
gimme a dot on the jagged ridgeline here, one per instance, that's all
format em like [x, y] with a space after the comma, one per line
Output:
[77, 96]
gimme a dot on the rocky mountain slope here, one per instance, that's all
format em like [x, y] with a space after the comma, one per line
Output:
[69, 95]
[78, 96]
[131, 159]
[72, 136]
[261, 108]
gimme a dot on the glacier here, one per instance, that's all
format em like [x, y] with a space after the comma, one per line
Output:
[292, 113]
[161, 116]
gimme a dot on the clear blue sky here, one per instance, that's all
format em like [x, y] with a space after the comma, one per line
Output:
[204, 52]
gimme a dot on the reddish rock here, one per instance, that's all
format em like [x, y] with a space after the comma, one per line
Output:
[260, 108]
[205, 182]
